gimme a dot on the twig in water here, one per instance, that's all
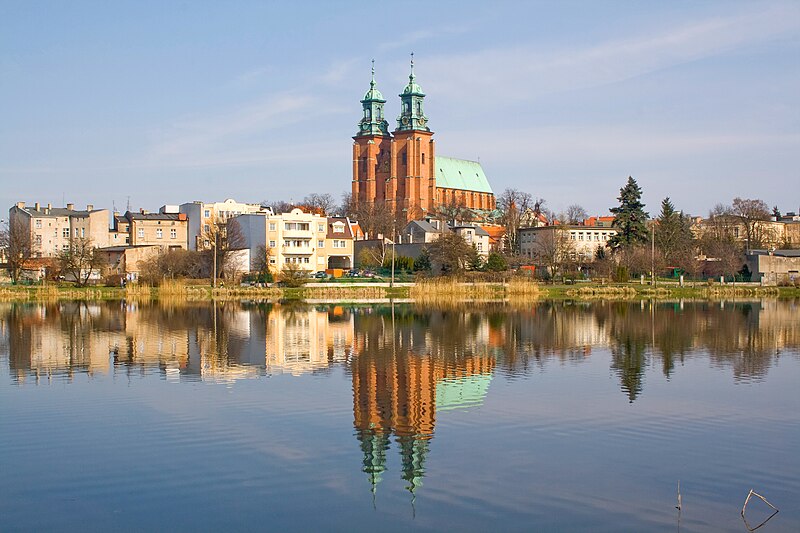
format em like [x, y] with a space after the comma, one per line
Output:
[754, 493]
[678, 507]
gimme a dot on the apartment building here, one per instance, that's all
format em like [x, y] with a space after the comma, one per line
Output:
[202, 216]
[577, 241]
[169, 231]
[309, 240]
[53, 228]
[475, 236]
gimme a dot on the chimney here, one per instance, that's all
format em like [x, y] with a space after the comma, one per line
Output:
[49, 206]
[36, 206]
[70, 207]
[20, 205]
[90, 207]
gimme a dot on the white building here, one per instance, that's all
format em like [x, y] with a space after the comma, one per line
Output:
[581, 242]
[309, 240]
[203, 215]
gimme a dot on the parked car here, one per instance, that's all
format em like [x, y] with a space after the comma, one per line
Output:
[321, 275]
[353, 273]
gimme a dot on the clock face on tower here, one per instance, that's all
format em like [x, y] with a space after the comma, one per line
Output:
[405, 120]
[422, 122]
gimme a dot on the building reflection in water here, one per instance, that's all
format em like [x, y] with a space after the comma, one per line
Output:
[404, 368]
[407, 363]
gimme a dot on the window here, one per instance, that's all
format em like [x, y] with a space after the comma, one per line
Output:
[173, 234]
[83, 232]
[480, 246]
[38, 224]
[272, 226]
[39, 239]
[272, 261]
[272, 244]
[286, 259]
[296, 226]
[338, 227]
[207, 213]
[77, 233]
[320, 244]
[159, 233]
[65, 233]
[206, 227]
[321, 227]
[305, 260]
[140, 233]
[423, 158]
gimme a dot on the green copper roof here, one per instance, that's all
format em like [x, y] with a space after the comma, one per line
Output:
[463, 392]
[461, 174]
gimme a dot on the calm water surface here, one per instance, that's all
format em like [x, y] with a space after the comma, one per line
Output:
[554, 417]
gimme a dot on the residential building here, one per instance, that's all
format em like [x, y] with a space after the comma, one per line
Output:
[578, 242]
[202, 217]
[53, 228]
[475, 236]
[421, 231]
[126, 261]
[169, 231]
[309, 240]
[401, 169]
[763, 233]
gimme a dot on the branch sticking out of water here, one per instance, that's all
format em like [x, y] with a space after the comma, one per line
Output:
[744, 508]
[680, 505]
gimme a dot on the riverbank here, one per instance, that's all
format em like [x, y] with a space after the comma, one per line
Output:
[433, 290]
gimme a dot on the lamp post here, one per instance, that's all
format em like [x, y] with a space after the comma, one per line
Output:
[214, 274]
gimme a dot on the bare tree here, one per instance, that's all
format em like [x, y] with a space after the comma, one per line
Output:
[79, 261]
[450, 252]
[575, 214]
[225, 238]
[514, 204]
[324, 203]
[279, 206]
[20, 247]
[453, 213]
[554, 249]
[261, 264]
[754, 215]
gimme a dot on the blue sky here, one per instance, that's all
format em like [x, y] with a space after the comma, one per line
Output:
[169, 102]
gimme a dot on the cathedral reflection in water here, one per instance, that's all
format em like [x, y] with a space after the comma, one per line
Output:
[406, 363]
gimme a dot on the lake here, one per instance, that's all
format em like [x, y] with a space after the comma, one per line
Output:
[554, 416]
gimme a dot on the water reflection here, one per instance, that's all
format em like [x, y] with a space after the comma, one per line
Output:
[407, 364]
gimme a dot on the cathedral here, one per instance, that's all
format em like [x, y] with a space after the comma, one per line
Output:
[401, 170]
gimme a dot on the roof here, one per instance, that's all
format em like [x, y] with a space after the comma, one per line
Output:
[478, 230]
[424, 225]
[45, 212]
[462, 174]
[343, 220]
[777, 253]
[155, 216]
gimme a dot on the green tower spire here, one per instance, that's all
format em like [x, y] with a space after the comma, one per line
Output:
[373, 122]
[412, 115]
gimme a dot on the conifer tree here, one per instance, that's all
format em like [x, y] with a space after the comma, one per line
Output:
[629, 218]
[672, 232]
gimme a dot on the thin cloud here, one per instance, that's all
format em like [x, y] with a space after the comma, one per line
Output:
[605, 63]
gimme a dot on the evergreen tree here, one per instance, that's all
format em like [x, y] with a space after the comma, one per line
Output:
[423, 262]
[496, 263]
[672, 231]
[629, 218]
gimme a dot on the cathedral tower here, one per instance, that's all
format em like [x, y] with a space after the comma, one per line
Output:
[413, 181]
[371, 149]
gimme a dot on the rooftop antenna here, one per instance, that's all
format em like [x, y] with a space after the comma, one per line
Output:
[128, 208]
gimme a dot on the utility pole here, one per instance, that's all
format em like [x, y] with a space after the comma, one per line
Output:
[652, 254]
[214, 279]
[394, 238]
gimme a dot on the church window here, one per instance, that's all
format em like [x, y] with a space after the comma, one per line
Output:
[419, 108]
[423, 158]
[367, 111]
[404, 158]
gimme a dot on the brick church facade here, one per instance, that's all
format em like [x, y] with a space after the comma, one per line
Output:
[401, 169]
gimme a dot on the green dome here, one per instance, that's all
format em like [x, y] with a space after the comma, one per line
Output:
[373, 93]
[412, 87]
